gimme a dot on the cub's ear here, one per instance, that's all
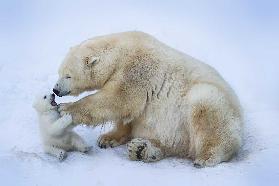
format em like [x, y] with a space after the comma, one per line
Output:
[89, 61]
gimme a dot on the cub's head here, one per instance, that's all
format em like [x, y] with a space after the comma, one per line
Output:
[86, 67]
[45, 103]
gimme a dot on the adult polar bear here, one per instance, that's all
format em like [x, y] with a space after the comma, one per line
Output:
[166, 102]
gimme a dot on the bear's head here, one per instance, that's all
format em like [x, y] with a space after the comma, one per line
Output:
[86, 67]
[45, 103]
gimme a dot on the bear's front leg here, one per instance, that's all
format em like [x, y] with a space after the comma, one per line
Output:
[79, 115]
[105, 105]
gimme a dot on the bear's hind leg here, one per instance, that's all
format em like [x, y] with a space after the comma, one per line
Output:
[140, 149]
[215, 126]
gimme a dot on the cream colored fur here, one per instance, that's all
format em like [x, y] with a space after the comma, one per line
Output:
[167, 102]
[56, 131]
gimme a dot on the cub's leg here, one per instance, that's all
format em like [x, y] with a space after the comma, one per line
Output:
[118, 136]
[144, 150]
[79, 144]
[215, 123]
[57, 152]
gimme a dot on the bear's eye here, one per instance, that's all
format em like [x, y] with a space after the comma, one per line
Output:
[68, 77]
[44, 97]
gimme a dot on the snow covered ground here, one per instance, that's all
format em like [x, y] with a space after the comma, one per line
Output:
[239, 38]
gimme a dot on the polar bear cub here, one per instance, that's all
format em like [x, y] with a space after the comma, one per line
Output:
[56, 131]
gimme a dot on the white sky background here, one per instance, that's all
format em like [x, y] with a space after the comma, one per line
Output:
[239, 38]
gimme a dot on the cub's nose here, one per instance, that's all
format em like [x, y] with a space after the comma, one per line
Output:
[56, 91]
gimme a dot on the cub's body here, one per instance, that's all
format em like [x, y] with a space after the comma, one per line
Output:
[56, 131]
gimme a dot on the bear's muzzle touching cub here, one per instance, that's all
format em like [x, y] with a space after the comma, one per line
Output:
[56, 131]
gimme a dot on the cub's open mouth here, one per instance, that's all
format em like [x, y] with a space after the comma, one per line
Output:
[53, 103]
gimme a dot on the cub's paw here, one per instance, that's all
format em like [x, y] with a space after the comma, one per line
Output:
[85, 149]
[106, 141]
[62, 155]
[142, 150]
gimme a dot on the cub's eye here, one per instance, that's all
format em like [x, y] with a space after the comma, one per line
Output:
[68, 77]
[44, 97]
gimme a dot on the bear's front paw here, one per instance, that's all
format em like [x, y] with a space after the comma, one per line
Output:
[67, 118]
[63, 108]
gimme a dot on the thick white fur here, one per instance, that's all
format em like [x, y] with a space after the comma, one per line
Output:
[153, 92]
[56, 131]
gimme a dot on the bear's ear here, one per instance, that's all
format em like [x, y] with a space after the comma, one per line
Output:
[89, 61]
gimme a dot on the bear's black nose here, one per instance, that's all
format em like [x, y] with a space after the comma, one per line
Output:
[56, 91]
